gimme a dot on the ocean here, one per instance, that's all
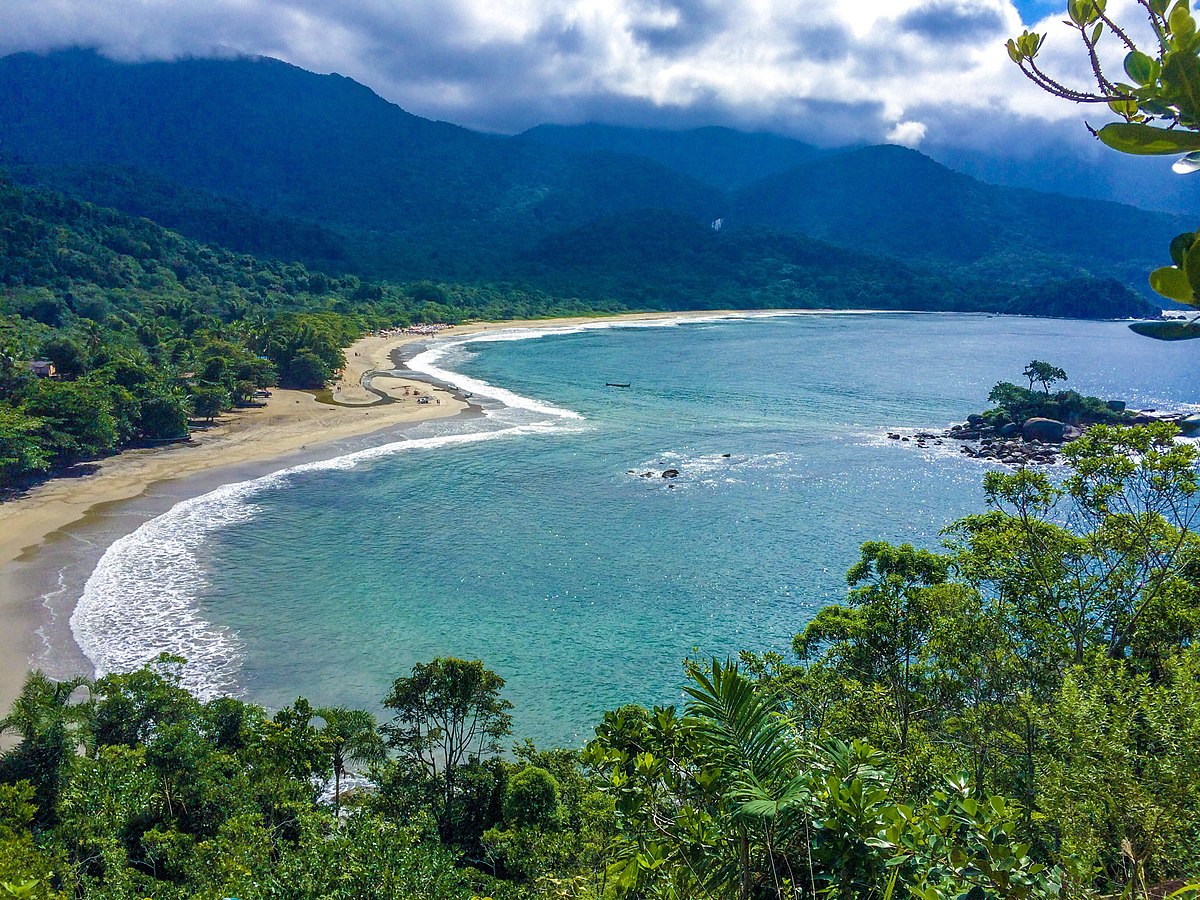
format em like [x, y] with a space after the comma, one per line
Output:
[529, 538]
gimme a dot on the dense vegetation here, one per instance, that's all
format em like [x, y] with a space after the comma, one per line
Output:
[1015, 715]
[357, 185]
[1014, 403]
[147, 329]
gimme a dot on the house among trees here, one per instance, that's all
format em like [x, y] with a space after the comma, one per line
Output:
[43, 368]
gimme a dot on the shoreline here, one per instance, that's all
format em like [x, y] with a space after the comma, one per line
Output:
[292, 424]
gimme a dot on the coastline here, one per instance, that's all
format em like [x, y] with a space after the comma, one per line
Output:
[290, 424]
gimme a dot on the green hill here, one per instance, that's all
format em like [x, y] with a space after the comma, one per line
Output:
[897, 201]
[265, 158]
[721, 157]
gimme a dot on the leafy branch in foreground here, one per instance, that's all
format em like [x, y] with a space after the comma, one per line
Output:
[1158, 100]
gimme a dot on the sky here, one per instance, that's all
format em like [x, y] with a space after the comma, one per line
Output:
[931, 74]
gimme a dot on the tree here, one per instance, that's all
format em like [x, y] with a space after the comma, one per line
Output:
[881, 636]
[70, 360]
[1044, 374]
[351, 737]
[22, 447]
[1159, 105]
[48, 724]
[447, 713]
[78, 417]
[208, 401]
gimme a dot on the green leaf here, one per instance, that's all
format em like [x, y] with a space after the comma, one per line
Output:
[1181, 81]
[1181, 23]
[1191, 266]
[1146, 140]
[1159, 7]
[1180, 245]
[1140, 67]
[1172, 283]
[1186, 165]
[1170, 330]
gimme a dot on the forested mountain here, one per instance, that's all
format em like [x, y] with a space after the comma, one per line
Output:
[265, 158]
[897, 201]
[321, 148]
[721, 157]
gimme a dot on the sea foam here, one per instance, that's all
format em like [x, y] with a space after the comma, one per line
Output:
[142, 599]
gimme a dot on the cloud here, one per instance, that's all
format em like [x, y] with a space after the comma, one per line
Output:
[828, 72]
[907, 134]
[953, 21]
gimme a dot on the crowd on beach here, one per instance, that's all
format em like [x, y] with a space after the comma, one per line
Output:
[427, 330]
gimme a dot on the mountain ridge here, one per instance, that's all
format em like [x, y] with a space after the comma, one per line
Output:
[339, 176]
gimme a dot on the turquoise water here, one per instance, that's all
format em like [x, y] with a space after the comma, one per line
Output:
[582, 585]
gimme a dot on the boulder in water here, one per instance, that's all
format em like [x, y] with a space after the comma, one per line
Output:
[671, 473]
[1045, 430]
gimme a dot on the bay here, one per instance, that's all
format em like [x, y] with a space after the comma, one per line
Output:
[585, 586]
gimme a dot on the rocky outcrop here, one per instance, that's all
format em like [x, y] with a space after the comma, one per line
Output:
[1048, 431]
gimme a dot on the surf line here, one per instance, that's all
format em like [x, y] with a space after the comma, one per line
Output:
[143, 597]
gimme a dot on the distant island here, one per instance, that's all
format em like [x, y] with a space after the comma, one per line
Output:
[1027, 426]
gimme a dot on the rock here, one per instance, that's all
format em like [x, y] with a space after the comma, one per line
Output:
[904, 439]
[1116, 405]
[1190, 425]
[646, 475]
[1045, 430]
[671, 473]
[1011, 430]
[893, 437]
[975, 419]
[726, 455]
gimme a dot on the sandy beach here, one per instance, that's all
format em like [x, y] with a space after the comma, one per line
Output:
[289, 422]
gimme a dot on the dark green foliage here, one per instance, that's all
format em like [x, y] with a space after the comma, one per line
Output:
[146, 327]
[1014, 403]
[1016, 717]
[721, 157]
[531, 799]
[897, 201]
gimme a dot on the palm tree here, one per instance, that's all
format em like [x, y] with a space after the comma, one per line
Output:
[49, 727]
[352, 737]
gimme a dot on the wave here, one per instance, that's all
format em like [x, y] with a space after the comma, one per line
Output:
[426, 362]
[142, 599]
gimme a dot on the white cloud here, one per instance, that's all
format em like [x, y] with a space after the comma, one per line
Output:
[907, 134]
[902, 70]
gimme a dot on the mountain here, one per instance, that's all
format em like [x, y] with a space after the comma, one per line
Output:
[262, 157]
[721, 157]
[893, 200]
[317, 147]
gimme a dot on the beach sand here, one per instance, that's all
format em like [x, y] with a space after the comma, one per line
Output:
[291, 421]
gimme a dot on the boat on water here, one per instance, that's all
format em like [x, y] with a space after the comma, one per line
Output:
[615, 384]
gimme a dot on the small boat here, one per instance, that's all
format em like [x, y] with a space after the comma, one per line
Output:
[614, 384]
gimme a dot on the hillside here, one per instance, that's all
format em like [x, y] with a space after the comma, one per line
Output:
[262, 157]
[721, 157]
[894, 200]
[320, 148]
